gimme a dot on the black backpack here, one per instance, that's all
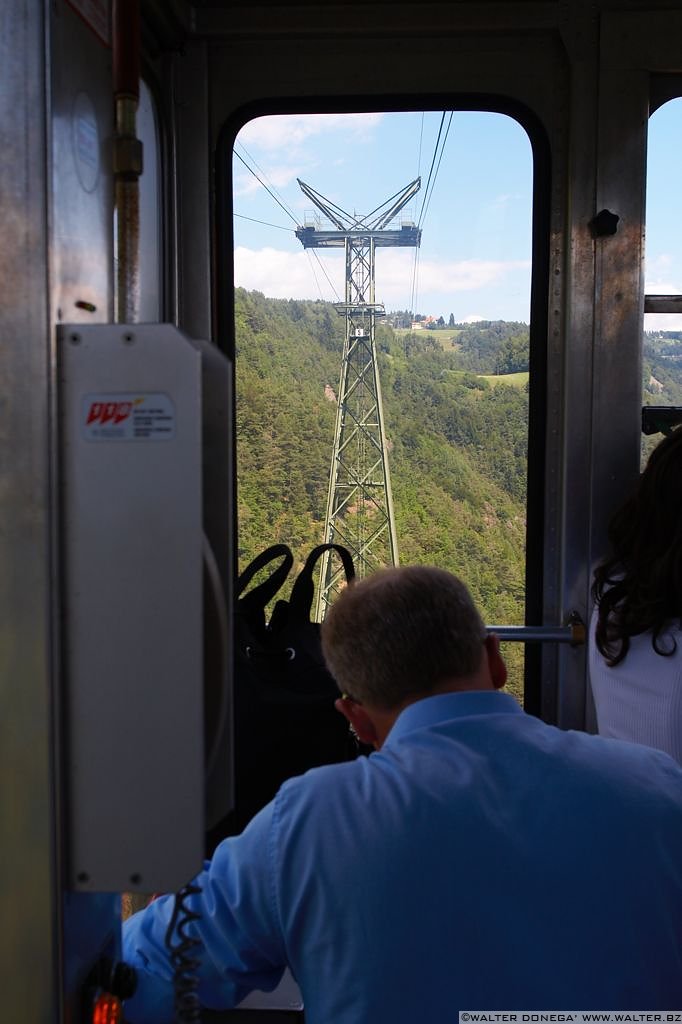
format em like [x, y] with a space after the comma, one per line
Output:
[285, 721]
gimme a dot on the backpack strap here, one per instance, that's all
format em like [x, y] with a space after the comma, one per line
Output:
[265, 591]
[303, 590]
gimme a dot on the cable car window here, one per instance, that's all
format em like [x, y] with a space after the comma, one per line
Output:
[382, 303]
[151, 297]
[662, 350]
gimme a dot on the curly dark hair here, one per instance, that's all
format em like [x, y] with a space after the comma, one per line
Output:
[638, 587]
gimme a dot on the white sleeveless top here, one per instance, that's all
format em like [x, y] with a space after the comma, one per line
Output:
[641, 698]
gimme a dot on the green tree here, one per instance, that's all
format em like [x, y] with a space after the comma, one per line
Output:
[513, 355]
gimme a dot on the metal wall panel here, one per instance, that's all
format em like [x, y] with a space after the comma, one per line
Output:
[81, 279]
[27, 879]
[571, 338]
[193, 191]
[82, 130]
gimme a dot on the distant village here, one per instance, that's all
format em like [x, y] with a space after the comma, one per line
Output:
[419, 322]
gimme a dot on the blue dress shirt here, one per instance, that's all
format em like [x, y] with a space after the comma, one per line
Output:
[481, 860]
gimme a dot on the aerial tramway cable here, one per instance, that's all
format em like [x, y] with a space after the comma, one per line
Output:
[265, 222]
[268, 190]
[433, 161]
[428, 193]
[427, 197]
[281, 203]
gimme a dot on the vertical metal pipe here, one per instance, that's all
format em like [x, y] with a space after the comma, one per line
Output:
[127, 169]
[127, 157]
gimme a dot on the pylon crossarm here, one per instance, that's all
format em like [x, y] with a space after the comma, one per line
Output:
[327, 207]
[355, 311]
[401, 198]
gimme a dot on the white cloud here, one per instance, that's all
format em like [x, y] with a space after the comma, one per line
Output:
[662, 288]
[663, 321]
[284, 275]
[395, 266]
[280, 274]
[278, 177]
[288, 131]
[473, 318]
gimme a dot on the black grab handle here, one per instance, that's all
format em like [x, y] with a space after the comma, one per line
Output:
[303, 590]
[265, 591]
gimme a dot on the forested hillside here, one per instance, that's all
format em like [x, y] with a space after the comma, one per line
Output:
[661, 376]
[455, 404]
[662, 368]
[457, 443]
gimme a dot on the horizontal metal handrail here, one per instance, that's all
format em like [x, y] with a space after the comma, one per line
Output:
[573, 633]
[663, 303]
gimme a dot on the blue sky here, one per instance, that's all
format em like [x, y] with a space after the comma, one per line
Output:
[664, 211]
[474, 259]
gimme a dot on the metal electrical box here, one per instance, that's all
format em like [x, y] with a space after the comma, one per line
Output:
[132, 561]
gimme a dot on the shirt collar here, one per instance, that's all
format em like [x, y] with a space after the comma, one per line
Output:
[446, 706]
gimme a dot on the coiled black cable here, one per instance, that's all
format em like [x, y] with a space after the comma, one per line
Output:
[183, 958]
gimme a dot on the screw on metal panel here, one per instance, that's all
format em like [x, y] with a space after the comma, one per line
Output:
[578, 631]
[129, 338]
[82, 876]
[136, 878]
[74, 339]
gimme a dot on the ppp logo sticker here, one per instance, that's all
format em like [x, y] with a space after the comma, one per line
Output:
[128, 417]
[110, 412]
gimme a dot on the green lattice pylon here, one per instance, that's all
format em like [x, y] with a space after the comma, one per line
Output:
[359, 511]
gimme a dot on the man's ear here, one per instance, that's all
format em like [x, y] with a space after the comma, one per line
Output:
[359, 720]
[496, 665]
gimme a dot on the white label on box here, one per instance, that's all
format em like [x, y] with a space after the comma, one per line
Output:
[132, 416]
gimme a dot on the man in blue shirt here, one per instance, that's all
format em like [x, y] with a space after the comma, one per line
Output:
[479, 859]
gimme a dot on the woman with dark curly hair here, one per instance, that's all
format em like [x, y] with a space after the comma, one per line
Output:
[636, 630]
